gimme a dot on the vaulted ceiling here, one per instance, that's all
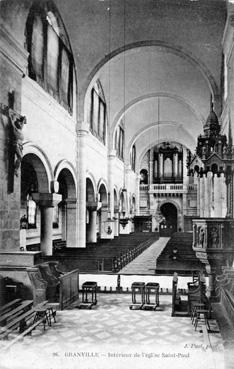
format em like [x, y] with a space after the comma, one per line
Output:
[149, 55]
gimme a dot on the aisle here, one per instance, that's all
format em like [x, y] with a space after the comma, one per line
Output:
[145, 263]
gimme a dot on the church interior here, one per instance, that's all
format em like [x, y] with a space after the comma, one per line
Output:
[116, 183]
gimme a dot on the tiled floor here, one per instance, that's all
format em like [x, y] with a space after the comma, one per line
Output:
[145, 263]
[111, 336]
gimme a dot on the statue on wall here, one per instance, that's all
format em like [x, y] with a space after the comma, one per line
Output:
[17, 122]
[214, 237]
[201, 237]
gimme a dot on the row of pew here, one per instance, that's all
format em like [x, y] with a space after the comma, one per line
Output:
[19, 318]
[105, 255]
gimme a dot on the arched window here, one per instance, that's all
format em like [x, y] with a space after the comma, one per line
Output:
[98, 112]
[50, 58]
[119, 141]
[29, 184]
[133, 158]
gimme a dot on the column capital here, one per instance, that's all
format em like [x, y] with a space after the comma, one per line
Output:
[47, 200]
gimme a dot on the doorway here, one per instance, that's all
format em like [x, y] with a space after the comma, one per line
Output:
[168, 225]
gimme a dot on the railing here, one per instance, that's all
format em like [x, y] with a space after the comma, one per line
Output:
[192, 187]
[68, 288]
[144, 187]
[121, 261]
[168, 187]
[116, 263]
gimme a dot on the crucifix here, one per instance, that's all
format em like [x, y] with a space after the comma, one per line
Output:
[15, 139]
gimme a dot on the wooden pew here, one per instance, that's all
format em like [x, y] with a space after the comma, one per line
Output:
[17, 321]
[5, 308]
[15, 311]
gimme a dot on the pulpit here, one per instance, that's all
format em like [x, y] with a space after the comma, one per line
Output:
[213, 244]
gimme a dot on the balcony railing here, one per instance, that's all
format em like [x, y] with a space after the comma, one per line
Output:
[168, 188]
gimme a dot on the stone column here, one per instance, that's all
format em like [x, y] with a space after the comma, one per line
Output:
[128, 172]
[151, 162]
[111, 161]
[64, 221]
[82, 132]
[216, 197]
[91, 229]
[47, 230]
[223, 195]
[71, 222]
[138, 177]
[209, 193]
[206, 213]
[202, 196]
[47, 201]
[198, 195]
[116, 224]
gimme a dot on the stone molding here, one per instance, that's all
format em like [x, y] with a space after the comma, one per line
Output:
[47, 200]
[12, 50]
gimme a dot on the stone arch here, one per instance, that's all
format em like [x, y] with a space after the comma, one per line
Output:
[91, 177]
[102, 191]
[170, 201]
[116, 199]
[187, 145]
[178, 50]
[66, 210]
[33, 155]
[103, 194]
[91, 211]
[90, 191]
[139, 99]
[36, 177]
[178, 207]
[65, 169]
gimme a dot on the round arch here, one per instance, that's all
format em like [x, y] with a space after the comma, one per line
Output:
[169, 201]
[102, 191]
[66, 168]
[141, 156]
[91, 177]
[177, 50]
[102, 182]
[170, 211]
[116, 197]
[90, 191]
[140, 99]
[40, 162]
